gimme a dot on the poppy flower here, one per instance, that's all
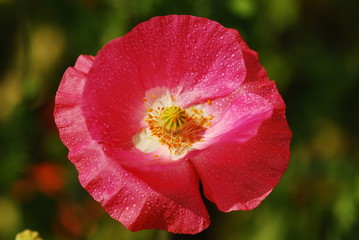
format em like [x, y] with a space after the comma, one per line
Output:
[178, 101]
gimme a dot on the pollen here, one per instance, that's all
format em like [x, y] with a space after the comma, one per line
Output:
[176, 127]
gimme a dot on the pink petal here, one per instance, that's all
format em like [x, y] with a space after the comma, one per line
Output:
[255, 71]
[84, 63]
[240, 176]
[256, 76]
[194, 58]
[257, 80]
[240, 122]
[167, 200]
[66, 104]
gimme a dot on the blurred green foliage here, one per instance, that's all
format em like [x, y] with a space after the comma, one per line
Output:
[309, 47]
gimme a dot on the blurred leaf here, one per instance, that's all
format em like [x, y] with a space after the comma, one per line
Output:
[243, 8]
[10, 219]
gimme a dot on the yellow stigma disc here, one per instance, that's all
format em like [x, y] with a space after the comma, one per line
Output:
[173, 118]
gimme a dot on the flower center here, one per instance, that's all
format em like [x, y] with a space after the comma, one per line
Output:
[173, 118]
[177, 128]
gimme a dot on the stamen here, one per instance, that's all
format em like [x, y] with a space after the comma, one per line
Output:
[177, 128]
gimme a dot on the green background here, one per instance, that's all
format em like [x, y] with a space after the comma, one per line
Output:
[309, 47]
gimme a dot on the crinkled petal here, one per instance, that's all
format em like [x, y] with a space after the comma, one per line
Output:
[239, 177]
[195, 58]
[168, 200]
[240, 122]
[66, 104]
